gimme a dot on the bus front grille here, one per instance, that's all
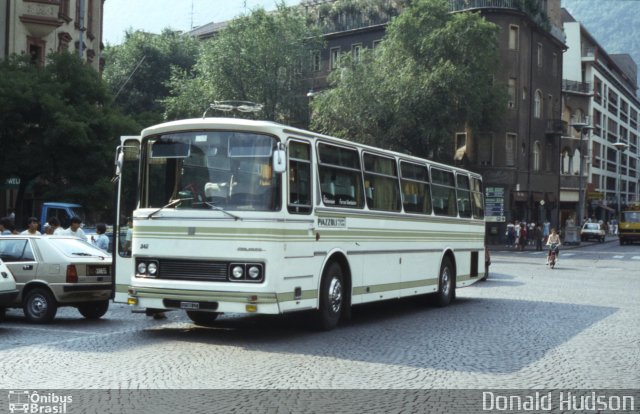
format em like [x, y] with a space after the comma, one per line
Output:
[178, 269]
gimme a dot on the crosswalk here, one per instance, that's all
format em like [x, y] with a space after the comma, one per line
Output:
[576, 254]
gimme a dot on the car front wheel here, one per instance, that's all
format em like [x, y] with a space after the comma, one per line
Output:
[94, 310]
[39, 306]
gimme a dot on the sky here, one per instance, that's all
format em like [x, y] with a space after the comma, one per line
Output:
[155, 15]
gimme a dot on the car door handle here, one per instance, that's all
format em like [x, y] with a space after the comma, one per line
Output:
[27, 267]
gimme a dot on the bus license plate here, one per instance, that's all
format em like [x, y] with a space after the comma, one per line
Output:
[189, 305]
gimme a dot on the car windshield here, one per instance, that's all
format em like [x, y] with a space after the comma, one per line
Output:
[591, 226]
[73, 247]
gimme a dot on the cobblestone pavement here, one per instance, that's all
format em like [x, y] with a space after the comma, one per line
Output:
[527, 326]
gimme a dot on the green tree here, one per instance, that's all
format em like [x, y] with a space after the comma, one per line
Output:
[138, 71]
[261, 57]
[57, 132]
[430, 77]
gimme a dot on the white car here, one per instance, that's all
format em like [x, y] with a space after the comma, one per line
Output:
[54, 271]
[8, 289]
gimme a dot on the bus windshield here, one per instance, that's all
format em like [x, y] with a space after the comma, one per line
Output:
[210, 170]
[631, 216]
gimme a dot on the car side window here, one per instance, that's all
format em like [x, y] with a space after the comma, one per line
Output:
[16, 251]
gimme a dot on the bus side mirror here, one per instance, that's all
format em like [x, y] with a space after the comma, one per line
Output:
[279, 161]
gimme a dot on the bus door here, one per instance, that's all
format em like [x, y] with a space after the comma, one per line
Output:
[127, 170]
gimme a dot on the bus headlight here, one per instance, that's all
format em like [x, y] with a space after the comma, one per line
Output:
[147, 268]
[237, 272]
[246, 272]
[254, 272]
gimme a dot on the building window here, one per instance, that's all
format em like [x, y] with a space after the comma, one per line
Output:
[511, 103]
[539, 59]
[355, 52]
[554, 69]
[514, 35]
[63, 11]
[485, 150]
[315, 61]
[36, 48]
[335, 57]
[536, 156]
[510, 150]
[537, 109]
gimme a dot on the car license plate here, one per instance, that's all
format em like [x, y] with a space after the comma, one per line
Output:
[101, 271]
[189, 305]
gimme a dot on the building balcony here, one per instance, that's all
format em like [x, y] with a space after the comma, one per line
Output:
[556, 127]
[538, 16]
[576, 87]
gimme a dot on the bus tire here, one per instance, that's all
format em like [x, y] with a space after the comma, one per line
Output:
[203, 318]
[94, 310]
[446, 285]
[332, 300]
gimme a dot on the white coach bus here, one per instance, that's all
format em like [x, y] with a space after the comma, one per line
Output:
[240, 216]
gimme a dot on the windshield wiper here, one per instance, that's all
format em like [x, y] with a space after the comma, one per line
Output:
[218, 208]
[171, 204]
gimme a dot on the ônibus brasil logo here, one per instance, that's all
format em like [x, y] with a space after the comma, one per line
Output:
[32, 402]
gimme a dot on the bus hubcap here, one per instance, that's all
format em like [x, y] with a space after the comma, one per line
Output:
[335, 295]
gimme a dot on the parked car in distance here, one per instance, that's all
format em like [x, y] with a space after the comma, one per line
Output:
[592, 231]
[54, 271]
[8, 289]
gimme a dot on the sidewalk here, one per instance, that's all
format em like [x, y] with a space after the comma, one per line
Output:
[502, 248]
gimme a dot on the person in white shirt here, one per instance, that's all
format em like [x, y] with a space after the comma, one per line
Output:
[74, 229]
[32, 227]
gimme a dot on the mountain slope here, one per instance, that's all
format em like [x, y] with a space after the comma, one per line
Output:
[615, 24]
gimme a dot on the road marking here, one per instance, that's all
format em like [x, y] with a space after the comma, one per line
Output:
[618, 257]
[635, 257]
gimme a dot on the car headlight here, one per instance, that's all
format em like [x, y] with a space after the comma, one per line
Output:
[152, 268]
[142, 268]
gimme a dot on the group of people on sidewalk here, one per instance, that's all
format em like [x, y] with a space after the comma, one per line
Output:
[519, 234]
[53, 227]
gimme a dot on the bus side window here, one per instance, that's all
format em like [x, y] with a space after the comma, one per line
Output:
[299, 177]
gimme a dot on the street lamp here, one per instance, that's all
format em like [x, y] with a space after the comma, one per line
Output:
[621, 147]
[583, 129]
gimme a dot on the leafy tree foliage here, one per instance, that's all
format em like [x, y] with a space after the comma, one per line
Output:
[138, 71]
[261, 57]
[56, 133]
[430, 77]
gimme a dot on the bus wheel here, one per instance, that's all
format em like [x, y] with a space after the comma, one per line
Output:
[202, 318]
[94, 310]
[331, 297]
[445, 283]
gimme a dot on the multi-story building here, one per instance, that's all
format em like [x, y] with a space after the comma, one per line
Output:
[39, 27]
[610, 113]
[519, 159]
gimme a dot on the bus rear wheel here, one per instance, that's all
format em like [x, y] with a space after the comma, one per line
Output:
[202, 318]
[332, 300]
[446, 285]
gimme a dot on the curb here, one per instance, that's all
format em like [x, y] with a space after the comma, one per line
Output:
[528, 248]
